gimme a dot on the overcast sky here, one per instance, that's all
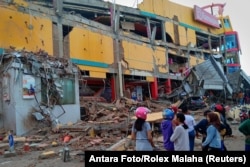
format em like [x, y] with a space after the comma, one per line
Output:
[237, 10]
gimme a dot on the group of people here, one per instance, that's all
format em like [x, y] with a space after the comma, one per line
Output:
[179, 129]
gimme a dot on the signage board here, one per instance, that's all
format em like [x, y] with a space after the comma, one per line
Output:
[204, 17]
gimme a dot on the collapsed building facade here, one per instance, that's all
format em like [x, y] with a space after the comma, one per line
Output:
[35, 85]
[153, 51]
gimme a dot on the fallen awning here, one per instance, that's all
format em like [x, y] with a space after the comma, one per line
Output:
[211, 76]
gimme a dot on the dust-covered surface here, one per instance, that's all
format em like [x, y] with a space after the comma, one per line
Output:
[31, 159]
[53, 158]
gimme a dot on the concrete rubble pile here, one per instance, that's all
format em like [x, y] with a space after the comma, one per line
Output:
[104, 125]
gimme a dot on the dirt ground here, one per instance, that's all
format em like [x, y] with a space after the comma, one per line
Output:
[31, 159]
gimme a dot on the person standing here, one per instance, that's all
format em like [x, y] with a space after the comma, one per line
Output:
[167, 128]
[190, 122]
[245, 129]
[201, 127]
[141, 131]
[11, 141]
[213, 139]
[241, 98]
[222, 132]
[180, 134]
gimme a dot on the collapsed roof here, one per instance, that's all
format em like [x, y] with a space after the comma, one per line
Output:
[210, 75]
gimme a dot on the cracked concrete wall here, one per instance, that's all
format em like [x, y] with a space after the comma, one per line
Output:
[91, 50]
[169, 9]
[144, 58]
[16, 110]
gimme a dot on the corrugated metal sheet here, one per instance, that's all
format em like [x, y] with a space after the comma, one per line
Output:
[211, 76]
[207, 73]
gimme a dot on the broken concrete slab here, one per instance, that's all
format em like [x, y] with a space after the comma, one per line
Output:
[42, 146]
[4, 145]
[8, 154]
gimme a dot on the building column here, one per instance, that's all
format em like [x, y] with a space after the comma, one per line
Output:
[154, 89]
[58, 7]
[168, 86]
[113, 89]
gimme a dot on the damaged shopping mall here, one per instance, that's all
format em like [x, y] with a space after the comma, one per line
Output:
[81, 65]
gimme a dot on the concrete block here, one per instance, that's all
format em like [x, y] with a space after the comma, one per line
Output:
[8, 154]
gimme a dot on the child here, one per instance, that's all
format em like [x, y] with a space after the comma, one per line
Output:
[11, 140]
[167, 128]
[141, 131]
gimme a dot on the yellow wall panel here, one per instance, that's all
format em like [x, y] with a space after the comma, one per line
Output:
[191, 36]
[146, 5]
[157, 8]
[195, 61]
[91, 46]
[138, 56]
[94, 47]
[95, 74]
[170, 29]
[160, 60]
[142, 57]
[186, 36]
[171, 9]
[183, 37]
[192, 61]
[150, 79]
[107, 49]
[199, 61]
[126, 72]
[25, 31]
[89, 68]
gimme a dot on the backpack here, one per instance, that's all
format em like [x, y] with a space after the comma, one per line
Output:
[229, 131]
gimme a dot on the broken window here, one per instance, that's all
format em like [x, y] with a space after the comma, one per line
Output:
[58, 92]
[204, 41]
[231, 40]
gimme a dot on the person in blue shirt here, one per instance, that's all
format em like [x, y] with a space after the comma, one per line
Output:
[167, 128]
[213, 138]
[141, 131]
[11, 140]
[201, 128]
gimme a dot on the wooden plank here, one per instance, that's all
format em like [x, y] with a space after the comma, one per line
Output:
[24, 139]
[152, 117]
